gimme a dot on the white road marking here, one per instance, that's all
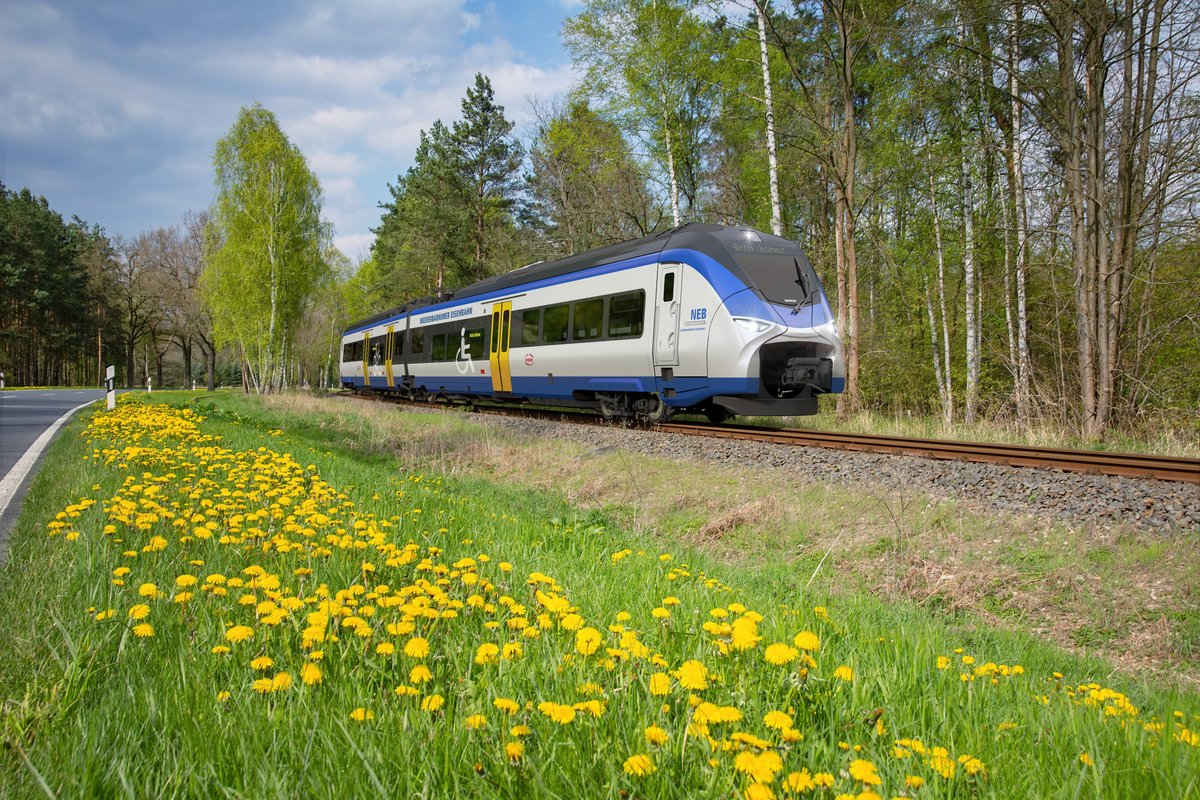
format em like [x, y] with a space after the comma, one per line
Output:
[12, 481]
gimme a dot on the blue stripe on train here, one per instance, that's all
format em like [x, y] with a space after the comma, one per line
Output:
[688, 391]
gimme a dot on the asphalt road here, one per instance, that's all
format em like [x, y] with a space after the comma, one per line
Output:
[24, 415]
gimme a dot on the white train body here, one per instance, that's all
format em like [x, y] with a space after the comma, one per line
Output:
[705, 318]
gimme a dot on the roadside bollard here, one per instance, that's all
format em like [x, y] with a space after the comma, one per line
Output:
[149, 387]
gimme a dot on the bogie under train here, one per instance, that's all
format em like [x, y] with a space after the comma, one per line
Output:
[705, 318]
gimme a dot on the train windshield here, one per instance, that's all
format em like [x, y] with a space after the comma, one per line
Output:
[782, 273]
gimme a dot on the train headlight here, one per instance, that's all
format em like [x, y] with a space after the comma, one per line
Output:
[753, 325]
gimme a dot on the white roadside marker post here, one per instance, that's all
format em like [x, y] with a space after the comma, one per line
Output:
[110, 380]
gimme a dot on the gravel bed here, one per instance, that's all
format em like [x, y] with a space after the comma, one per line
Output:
[1078, 499]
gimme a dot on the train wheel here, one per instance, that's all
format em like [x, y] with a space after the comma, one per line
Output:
[718, 414]
[660, 412]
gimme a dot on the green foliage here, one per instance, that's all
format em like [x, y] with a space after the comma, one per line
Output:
[451, 213]
[266, 258]
[53, 293]
[649, 63]
[587, 188]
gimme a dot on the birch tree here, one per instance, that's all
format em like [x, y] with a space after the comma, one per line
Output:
[268, 220]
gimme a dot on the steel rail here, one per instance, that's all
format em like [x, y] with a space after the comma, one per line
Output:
[1095, 462]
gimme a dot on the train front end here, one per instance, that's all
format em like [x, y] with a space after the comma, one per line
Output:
[777, 337]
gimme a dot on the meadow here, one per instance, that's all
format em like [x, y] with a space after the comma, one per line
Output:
[201, 602]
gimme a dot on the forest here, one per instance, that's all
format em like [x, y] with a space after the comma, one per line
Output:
[1001, 198]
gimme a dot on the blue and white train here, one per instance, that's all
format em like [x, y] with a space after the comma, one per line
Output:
[703, 318]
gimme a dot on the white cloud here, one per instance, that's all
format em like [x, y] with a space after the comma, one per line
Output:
[114, 109]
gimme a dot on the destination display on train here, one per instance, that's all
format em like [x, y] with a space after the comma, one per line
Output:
[443, 316]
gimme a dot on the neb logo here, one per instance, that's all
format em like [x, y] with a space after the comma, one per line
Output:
[699, 314]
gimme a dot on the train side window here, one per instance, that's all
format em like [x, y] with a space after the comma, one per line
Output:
[625, 315]
[475, 342]
[589, 319]
[439, 348]
[530, 325]
[556, 323]
[669, 287]
[417, 342]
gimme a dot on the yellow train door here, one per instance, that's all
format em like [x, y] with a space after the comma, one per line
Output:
[387, 363]
[501, 325]
[366, 358]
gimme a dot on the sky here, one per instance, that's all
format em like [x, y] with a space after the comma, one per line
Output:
[111, 109]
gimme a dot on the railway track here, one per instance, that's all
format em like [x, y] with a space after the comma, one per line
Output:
[1128, 465]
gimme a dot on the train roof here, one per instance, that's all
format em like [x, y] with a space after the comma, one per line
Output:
[705, 237]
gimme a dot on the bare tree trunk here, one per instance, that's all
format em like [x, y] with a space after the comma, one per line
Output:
[849, 164]
[760, 6]
[1096, 74]
[1021, 222]
[677, 218]
[947, 390]
[968, 201]
[939, 378]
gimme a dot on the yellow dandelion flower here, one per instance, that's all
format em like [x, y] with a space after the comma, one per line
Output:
[1086, 759]
[361, 714]
[660, 613]
[656, 735]
[777, 720]
[639, 765]
[518, 731]
[239, 633]
[264, 686]
[692, 675]
[143, 630]
[420, 674]
[505, 705]
[780, 654]
[660, 684]
[941, 763]
[475, 722]
[587, 641]
[914, 781]
[744, 633]
[184, 581]
[262, 663]
[416, 647]
[514, 751]
[844, 673]
[823, 779]
[148, 590]
[140, 611]
[797, 782]
[221, 650]
[562, 714]
[863, 771]
[385, 648]
[487, 653]
[807, 640]
[310, 673]
[433, 702]
[223, 696]
[759, 791]
[761, 767]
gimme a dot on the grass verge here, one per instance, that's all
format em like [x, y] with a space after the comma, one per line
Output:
[224, 606]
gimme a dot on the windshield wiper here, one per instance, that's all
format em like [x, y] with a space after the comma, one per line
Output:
[802, 282]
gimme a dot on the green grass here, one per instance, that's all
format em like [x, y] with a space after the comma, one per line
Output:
[91, 709]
